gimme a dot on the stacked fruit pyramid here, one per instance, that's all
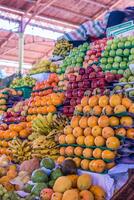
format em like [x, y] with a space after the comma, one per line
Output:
[118, 54]
[91, 138]
[44, 99]
[75, 58]
[91, 79]
[94, 53]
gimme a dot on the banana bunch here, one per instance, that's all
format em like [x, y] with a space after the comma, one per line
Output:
[45, 124]
[62, 48]
[20, 149]
[43, 147]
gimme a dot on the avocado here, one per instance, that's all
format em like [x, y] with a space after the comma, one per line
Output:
[47, 163]
[56, 173]
[51, 183]
[39, 176]
[37, 188]
[28, 187]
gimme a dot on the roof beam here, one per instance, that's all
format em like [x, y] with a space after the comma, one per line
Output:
[72, 12]
[40, 10]
[4, 42]
[112, 6]
[96, 3]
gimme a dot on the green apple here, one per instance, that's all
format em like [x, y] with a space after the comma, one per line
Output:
[124, 39]
[117, 59]
[110, 60]
[126, 52]
[85, 44]
[114, 46]
[127, 73]
[122, 80]
[130, 38]
[132, 51]
[105, 54]
[128, 44]
[131, 57]
[103, 60]
[119, 52]
[108, 48]
[109, 42]
[131, 79]
[131, 93]
[125, 59]
[120, 71]
[121, 45]
[79, 60]
[116, 40]
[123, 65]
[108, 66]
[114, 71]
[116, 65]
[112, 53]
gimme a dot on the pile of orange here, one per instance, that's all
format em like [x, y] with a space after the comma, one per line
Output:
[22, 130]
[51, 82]
[45, 104]
[91, 133]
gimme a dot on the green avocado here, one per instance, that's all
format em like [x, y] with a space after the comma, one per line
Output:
[47, 163]
[37, 188]
[51, 183]
[28, 187]
[39, 176]
[56, 174]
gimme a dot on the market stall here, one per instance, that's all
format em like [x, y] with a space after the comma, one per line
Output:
[67, 126]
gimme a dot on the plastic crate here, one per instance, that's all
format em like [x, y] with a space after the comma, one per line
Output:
[26, 91]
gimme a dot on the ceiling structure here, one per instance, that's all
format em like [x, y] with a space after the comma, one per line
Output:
[51, 17]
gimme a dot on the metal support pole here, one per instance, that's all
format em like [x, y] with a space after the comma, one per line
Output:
[21, 51]
[21, 46]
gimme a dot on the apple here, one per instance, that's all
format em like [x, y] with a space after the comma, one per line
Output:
[69, 86]
[87, 58]
[65, 110]
[100, 75]
[116, 65]
[132, 51]
[101, 83]
[126, 52]
[71, 110]
[119, 52]
[114, 71]
[80, 84]
[78, 101]
[131, 57]
[81, 71]
[128, 44]
[89, 70]
[131, 79]
[92, 75]
[73, 102]
[117, 59]
[123, 65]
[108, 66]
[74, 85]
[114, 46]
[123, 80]
[86, 83]
[94, 84]
[120, 71]
[105, 54]
[75, 93]
[121, 45]
[81, 93]
[85, 76]
[72, 78]
[79, 78]
[103, 60]
[112, 53]
[110, 60]
[68, 94]
[109, 77]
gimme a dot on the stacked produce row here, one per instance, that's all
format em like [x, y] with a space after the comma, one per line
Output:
[44, 99]
[91, 79]
[91, 138]
[119, 53]
[94, 53]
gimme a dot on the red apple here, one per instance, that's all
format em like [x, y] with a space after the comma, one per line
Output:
[75, 93]
[81, 93]
[73, 102]
[79, 78]
[65, 110]
[71, 110]
[81, 71]
[92, 75]
[72, 78]
[74, 85]
[78, 101]
[80, 84]
[68, 94]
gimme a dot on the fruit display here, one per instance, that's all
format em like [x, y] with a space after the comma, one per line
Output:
[50, 125]
[62, 48]
[94, 53]
[50, 83]
[21, 82]
[43, 66]
[9, 97]
[75, 58]
[125, 83]
[17, 113]
[45, 104]
[21, 150]
[91, 79]
[119, 53]
[92, 136]
[22, 130]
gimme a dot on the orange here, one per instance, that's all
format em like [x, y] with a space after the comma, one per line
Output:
[51, 108]
[87, 131]
[13, 134]
[77, 131]
[23, 133]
